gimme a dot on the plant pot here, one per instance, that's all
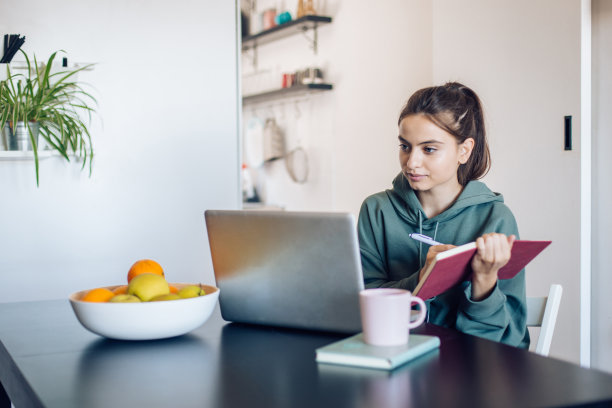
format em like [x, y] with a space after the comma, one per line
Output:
[18, 137]
[3, 72]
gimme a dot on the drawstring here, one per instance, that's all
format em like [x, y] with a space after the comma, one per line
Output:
[420, 243]
[421, 250]
[434, 238]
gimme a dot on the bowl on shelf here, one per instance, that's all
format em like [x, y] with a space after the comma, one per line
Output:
[146, 320]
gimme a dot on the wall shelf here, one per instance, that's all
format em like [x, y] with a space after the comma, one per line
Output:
[295, 90]
[56, 67]
[299, 25]
[18, 155]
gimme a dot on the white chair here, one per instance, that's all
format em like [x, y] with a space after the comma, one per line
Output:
[542, 312]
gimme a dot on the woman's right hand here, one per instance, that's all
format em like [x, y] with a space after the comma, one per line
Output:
[431, 254]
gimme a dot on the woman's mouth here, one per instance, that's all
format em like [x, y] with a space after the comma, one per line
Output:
[415, 177]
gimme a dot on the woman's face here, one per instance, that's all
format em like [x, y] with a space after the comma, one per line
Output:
[430, 156]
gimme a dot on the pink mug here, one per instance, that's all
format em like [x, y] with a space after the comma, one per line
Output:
[386, 315]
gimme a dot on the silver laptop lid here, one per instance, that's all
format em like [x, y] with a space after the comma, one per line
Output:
[292, 269]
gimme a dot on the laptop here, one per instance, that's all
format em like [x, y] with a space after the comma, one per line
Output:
[290, 269]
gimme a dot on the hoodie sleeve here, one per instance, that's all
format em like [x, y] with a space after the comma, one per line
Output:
[372, 245]
[502, 315]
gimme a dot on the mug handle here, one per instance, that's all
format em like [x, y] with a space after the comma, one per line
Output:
[422, 314]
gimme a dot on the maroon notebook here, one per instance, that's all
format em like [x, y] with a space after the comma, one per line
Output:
[454, 266]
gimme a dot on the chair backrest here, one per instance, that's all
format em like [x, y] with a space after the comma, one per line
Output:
[542, 312]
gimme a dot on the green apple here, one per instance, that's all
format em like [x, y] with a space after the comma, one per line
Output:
[191, 291]
[148, 285]
[169, 296]
[124, 298]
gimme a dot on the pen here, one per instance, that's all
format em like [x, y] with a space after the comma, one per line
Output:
[425, 239]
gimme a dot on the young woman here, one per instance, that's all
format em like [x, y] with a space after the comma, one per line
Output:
[443, 151]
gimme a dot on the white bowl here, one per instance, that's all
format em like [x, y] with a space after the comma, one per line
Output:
[146, 320]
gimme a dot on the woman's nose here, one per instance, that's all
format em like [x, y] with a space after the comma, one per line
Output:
[414, 160]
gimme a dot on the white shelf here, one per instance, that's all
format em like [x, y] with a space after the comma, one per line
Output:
[57, 65]
[12, 155]
[17, 67]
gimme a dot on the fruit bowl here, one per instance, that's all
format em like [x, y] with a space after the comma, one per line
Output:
[146, 320]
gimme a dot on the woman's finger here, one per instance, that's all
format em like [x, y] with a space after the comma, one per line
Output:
[442, 248]
[480, 246]
[490, 248]
[511, 240]
[501, 248]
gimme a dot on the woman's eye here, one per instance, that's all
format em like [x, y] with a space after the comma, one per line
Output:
[430, 149]
[403, 147]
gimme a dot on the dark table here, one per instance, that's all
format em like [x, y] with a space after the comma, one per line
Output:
[47, 359]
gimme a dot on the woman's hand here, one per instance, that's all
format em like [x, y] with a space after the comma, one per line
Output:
[431, 254]
[493, 252]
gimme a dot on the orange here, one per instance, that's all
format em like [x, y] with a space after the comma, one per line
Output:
[98, 295]
[144, 266]
[120, 290]
[173, 289]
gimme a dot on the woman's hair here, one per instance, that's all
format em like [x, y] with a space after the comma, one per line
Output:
[456, 109]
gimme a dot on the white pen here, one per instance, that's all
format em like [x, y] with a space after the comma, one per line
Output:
[425, 239]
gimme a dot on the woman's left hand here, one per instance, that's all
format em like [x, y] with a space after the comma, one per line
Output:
[493, 252]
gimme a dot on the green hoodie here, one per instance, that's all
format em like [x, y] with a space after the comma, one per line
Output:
[390, 258]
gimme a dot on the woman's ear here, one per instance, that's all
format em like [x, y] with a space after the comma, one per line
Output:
[465, 150]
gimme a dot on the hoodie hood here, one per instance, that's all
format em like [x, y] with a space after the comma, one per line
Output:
[404, 200]
[408, 207]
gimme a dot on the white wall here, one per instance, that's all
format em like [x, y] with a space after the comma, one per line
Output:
[375, 57]
[602, 189]
[166, 146]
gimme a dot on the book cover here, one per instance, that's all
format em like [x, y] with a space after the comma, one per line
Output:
[454, 266]
[353, 351]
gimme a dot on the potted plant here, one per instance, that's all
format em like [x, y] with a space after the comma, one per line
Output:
[48, 105]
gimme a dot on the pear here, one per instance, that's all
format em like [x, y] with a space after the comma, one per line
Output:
[148, 285]
[169, 296]
[191, 291]
[124, 298]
